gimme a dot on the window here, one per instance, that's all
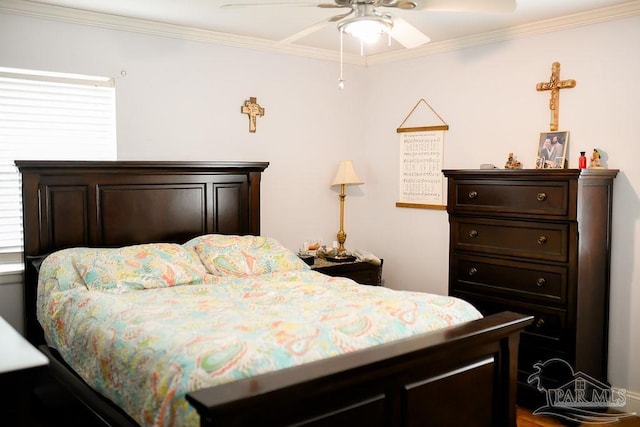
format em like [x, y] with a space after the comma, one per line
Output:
[48, 116]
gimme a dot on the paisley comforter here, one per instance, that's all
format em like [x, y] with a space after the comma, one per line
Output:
[145, 348]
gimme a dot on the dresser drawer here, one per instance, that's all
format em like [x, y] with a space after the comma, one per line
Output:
[547, 330]
[512, 196]
[527, 239]
[529, 355]
[510, 279]
[552, 372]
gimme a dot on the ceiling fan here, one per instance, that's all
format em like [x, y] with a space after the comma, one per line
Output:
[365, 21]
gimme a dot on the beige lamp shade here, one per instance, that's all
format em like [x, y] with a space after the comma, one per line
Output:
[346, 174]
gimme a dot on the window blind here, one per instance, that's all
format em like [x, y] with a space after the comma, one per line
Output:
[48, 116]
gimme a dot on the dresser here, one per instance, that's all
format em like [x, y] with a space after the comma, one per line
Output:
[365, 273]
[537, 242]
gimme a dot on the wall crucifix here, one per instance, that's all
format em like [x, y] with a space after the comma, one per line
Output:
[252, 109]
[554, 85]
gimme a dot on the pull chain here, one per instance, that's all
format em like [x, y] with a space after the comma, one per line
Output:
[340, 80]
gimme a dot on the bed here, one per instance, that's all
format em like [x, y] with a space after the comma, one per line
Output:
[454, 375]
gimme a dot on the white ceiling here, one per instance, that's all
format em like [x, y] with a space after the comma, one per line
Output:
[268, 27]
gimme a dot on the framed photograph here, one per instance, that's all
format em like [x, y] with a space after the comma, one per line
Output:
[552, 150]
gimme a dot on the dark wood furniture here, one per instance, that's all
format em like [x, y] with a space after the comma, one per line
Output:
[362, 272]
[20, 364]
[462, 375]
[537, 242]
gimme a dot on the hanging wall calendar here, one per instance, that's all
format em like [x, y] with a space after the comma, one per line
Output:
[422, 184]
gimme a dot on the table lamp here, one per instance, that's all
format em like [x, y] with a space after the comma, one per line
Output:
[346, 175]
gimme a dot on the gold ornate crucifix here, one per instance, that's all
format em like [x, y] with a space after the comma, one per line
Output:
[252, 109]
[554, 85]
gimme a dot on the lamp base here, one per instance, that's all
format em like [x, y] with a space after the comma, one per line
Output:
[342, 237]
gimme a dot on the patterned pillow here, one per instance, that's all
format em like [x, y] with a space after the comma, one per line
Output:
[224, 255]
[153, 265]
[58, 270]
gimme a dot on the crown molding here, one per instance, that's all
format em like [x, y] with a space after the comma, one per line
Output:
[142, 26]
[624, 10]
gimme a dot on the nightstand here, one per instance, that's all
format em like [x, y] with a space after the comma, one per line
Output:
[19, 364]
[364, 273]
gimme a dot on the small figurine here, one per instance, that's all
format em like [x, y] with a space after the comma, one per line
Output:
[512, 163]
[595, 159]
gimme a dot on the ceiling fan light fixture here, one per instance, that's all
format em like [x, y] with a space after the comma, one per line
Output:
[367, 28]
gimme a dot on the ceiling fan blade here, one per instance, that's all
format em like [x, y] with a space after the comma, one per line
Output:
[277, 4]
[339, 17]
[482, 6]
[400, 4]
[407, 35]
[304, 33]
[313, 28]
[329, 6]
[336, 4]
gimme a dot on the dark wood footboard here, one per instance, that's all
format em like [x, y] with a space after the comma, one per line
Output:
[459, 376]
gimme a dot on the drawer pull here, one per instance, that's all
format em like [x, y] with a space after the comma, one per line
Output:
[473, 194]
[542, 240]
[542, 197]
[473, 271]
[541, 282]
[473, 233]
[539, 323]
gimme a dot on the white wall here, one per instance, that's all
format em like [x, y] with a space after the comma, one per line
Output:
[487, 96]
[180, 100]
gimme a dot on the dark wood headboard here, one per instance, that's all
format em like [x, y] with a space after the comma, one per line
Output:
[118, 203]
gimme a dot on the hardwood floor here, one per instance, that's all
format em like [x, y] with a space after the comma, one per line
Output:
[527, 419]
